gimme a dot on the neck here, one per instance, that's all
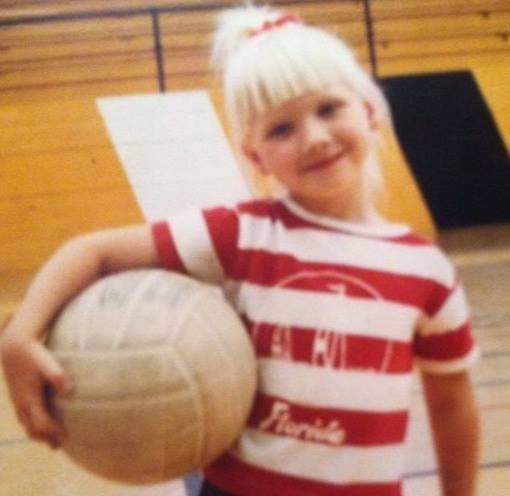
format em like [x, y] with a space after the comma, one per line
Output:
[348, 211]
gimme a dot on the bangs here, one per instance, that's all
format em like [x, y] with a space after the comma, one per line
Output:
[276, 68]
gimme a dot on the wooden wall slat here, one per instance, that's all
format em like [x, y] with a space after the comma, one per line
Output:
[496, 61]
[323, 12]
[21, 56]
[353, 33]
[79, 70]
[185, 64]
[19, 9]
[185, 82]
[82, 29]
[70, 91]
[442, 27]
[384, 9]
[439, 48]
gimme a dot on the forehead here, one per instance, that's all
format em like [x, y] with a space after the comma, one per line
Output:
[297, 106]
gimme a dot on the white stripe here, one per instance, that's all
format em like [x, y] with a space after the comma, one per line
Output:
[195, 246]
[331, 388]
[385, 229]
[449, 366]
[453, 314]
[292, 307]
[320, 462]
[312, 245]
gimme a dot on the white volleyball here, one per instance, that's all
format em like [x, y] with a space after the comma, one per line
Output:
[163, 371]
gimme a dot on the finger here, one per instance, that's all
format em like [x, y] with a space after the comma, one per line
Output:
[52, 441]
[43, 427]
[33, 433]
[23, 417]
[52, 372]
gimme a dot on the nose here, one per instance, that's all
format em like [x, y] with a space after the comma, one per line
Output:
[315, 135]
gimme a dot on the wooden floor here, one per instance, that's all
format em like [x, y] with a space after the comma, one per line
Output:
[482, 256]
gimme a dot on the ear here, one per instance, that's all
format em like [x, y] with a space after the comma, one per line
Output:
[254, 158]
[374, 117]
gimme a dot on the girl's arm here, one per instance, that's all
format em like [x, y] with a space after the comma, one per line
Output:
[28, 366]
[454, 420]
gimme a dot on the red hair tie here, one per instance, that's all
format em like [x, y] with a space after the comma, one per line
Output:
[277, 23]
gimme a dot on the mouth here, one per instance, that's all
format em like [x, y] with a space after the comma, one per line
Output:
[323, 163]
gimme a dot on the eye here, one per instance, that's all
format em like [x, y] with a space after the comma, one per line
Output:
[329, 109]
[281, 130]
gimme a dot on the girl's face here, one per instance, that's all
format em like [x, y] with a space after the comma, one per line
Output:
[315, 144]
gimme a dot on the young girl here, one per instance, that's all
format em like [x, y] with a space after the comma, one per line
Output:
[340, 304]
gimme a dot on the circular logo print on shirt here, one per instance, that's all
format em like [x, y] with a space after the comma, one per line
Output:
[334, 331]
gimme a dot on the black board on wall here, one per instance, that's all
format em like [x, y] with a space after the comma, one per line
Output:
[453, 147]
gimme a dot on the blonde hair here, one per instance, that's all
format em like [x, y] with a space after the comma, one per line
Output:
[259, 71]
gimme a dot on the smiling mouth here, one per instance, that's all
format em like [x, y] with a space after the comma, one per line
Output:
[324, 163]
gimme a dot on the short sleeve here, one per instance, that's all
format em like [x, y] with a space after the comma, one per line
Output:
[444, 341]
[201, 243]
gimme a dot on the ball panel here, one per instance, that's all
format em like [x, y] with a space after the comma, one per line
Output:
[227, 393]
[116, 311]
[121, 375]
[154, 441]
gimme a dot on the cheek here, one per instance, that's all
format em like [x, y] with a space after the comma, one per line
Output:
[357, 136]
[278, 152]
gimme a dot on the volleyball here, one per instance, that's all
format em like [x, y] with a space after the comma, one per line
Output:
[163, 372]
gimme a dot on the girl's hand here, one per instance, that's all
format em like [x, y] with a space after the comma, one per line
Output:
[29, 370]
[29, 367]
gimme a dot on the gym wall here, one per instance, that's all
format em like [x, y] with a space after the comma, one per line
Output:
[59, 173]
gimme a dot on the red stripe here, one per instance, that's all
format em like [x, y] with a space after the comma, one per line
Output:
[446, 346]
[259, 208]
[439, 297]
[270, 269]
[165, 247]
[413, 239]
[334, 350]
[236, 477]
[326, 425]
[223, 227]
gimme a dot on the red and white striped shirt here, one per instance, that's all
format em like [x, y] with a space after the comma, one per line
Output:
[338, 314]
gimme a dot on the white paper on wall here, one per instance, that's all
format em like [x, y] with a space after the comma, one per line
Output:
[174, 151]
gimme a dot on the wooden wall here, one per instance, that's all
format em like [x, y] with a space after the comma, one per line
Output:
[59, 175]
